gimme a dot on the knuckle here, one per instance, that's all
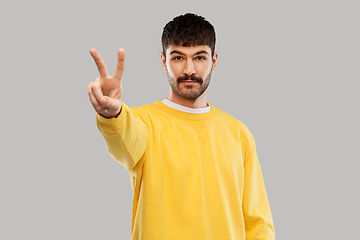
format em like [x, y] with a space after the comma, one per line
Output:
[120, 68]
[89, 87]
[94, 87]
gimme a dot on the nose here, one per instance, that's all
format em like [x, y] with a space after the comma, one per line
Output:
[190, 68]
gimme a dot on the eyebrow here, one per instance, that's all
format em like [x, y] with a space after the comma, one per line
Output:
[197, 53]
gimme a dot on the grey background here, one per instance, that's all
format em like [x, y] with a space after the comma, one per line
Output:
[288, 69]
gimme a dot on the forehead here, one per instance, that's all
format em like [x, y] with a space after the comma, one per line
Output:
[189, 51]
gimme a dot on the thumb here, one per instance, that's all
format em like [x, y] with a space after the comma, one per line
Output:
[111, 104]
[105, 101]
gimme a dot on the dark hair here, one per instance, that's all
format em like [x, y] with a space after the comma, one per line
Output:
[188, 30]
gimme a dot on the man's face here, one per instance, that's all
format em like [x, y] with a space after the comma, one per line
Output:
[189, 69]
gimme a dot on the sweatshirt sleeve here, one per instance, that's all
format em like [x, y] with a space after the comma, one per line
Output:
[257, 214]
[126, 137]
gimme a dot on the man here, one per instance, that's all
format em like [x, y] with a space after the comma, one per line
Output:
[193, 168]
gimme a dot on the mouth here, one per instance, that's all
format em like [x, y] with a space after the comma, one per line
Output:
[189, 82]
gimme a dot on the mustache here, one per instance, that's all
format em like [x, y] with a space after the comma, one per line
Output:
[191, 77]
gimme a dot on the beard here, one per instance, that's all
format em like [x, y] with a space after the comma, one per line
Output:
[189, 92]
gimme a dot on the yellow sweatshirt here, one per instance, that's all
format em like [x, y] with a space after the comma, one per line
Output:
[194, 176]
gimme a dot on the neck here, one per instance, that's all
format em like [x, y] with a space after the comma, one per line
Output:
[199, 102]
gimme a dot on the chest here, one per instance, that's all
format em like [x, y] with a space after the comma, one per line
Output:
[193, 147]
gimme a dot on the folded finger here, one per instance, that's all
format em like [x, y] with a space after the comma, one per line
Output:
[97, 91]
[92, 98]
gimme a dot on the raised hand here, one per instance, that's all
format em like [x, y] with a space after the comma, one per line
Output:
[105, 92]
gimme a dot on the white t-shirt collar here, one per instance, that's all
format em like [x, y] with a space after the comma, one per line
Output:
[186, 109]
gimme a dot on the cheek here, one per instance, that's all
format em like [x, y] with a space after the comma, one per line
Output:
[174, 70]
[205, 70]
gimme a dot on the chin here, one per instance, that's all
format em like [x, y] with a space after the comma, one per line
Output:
[193, 95]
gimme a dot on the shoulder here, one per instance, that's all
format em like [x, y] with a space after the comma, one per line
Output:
[148, 113]
[234, 124]
[146, 109]
[231, 120]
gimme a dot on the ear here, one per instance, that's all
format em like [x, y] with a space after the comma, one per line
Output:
[163, 60]
[215, 57]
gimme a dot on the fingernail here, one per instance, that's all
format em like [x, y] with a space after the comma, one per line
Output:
[105, 101]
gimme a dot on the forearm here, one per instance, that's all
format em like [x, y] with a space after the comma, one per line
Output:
[257, 214]
[126, 137]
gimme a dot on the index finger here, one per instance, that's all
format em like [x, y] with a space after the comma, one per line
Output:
[120, 64]
[99, 63]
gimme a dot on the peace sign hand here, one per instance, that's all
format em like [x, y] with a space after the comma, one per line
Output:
[105, 92]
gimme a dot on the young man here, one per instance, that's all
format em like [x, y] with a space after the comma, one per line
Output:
[193, 168]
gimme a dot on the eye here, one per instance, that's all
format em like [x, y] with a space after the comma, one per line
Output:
[200, 58]
[177, 58]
